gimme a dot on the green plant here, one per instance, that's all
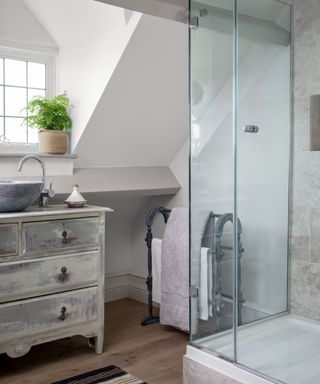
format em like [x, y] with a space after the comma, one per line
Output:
[50, 114]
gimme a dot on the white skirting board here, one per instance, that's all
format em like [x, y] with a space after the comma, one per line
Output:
[126, 285]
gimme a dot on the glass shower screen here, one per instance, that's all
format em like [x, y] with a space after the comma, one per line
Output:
[239, 168]
[212, 169]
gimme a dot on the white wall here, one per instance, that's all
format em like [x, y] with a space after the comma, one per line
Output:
[92, 37]
[180, 169]
[142, 119]
[119, 226]
[125, 244]
[19, 28]
[142, 116]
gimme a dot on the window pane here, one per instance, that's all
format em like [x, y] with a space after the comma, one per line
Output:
[15, 100]
[20, 82]
[15, 72]
[37, 75]
[35, 92]
[1, 71]
[32, 135]
[16, 132]
[1, 100]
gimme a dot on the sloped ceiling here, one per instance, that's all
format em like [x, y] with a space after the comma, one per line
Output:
[20, 28]
[142, 116]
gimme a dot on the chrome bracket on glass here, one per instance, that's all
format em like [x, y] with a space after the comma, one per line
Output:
[193, 291]
[194, 22]
[250, 128]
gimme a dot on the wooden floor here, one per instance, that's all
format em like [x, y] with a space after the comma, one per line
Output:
[153, 353]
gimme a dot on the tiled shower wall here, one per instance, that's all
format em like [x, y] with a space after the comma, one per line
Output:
[305, 229]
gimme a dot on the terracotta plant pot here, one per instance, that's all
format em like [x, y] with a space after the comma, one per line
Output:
[51, 141]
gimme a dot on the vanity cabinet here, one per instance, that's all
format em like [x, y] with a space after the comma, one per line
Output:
[51, 276]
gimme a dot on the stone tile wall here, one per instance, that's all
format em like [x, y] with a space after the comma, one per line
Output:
[305, 220]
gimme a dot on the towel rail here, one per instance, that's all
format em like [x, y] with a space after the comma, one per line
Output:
[165, 212]
[216, 225]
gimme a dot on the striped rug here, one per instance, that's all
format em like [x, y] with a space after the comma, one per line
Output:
[110, 375]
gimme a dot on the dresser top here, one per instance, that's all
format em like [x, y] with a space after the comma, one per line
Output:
[54, 209]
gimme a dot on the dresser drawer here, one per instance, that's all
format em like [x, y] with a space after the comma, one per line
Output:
[8, 239]
[47, 237]
[34, 316]
[35, 277]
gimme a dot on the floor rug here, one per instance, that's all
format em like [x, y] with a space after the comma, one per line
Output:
[110, 375]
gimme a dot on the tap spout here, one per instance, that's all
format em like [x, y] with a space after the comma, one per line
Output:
[39, 160]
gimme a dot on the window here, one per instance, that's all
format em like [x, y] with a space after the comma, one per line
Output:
[21, 79]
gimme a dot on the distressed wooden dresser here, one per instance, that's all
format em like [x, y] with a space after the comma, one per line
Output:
[51, 276]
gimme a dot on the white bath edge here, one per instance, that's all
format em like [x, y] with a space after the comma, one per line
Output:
[224, 367]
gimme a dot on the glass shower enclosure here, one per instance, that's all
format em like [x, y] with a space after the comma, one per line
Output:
[240, 76]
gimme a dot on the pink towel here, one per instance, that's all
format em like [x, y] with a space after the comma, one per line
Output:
[174, 309]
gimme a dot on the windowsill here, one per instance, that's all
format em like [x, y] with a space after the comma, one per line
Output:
[56, 165]
[44, 155]
[14, 150]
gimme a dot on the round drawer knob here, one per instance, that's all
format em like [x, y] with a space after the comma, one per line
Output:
[18, 350]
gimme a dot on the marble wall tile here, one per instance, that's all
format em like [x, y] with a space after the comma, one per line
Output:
[306, 64]
[305, 217]
[306, 179]
[300, 221]
[306, 19]
[305, 289]
[315, 236]
[301, 137]
[300, 249]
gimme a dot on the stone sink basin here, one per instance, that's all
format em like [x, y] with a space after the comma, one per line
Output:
[17, 195]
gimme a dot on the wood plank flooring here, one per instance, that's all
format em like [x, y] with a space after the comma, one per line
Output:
[153, 353]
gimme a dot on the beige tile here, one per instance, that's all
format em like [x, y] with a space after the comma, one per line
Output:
[306, 19]
[300, 248]
[305, 289]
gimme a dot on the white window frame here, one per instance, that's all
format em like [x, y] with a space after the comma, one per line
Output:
[49, 60]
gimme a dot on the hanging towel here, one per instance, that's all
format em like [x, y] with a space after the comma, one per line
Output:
[156, 270]
[205, 292]
[199, 219]
[174, 308]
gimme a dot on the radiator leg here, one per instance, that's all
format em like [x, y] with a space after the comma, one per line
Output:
[150, 319]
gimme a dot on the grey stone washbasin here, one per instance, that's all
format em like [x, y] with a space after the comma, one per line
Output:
[15, 195]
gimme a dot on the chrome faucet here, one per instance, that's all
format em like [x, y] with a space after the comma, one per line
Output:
[40, 161]
[45, 193]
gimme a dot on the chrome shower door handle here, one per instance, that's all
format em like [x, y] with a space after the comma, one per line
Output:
[250, 128]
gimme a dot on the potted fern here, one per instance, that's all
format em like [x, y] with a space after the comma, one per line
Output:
[51, 118]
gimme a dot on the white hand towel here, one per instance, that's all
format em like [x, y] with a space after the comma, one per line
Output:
[156, 270]
[204, 293]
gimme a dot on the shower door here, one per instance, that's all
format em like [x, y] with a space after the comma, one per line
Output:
[211, 167]
[263, 136]
[239, 168]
